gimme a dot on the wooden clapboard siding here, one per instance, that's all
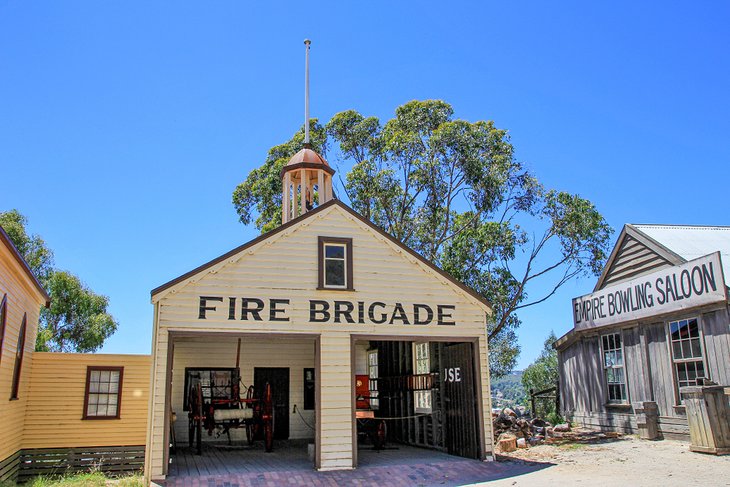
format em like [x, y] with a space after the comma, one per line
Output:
[716, 331]
[284, 266]
[23, 298]
[56, 402]
[296, 354]
[661, 363]
[633, 259]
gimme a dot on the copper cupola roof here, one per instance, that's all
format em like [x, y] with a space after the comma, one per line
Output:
[307, 159]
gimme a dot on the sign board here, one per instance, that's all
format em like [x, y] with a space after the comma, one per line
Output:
[694, 283]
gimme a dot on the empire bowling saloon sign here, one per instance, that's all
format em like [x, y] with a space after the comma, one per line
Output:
[694, 283]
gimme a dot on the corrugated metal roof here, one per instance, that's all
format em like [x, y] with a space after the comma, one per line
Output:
[691, 242]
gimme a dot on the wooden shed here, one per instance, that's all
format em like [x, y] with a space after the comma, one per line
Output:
[346, 326]
[656, 322]
[62, 412]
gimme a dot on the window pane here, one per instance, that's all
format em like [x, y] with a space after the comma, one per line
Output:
[101, 410]
[334, 251]
[696, 349]
[676, 350]
[619, 357]
[91, 410]
[334, 273]
[111, 410]
[617, 340]
[693, 328]
[104, 376]
[686, 351]
[682, 372]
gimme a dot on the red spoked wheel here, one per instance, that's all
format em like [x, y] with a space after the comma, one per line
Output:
[267, 418]
[251, 428]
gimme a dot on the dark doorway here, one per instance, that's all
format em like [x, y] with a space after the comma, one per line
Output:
[278, 377]
[460, 398]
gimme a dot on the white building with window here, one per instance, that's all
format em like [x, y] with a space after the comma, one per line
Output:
[656, 322]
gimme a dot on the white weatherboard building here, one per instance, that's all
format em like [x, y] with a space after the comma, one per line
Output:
[317, 308]
[656, 323]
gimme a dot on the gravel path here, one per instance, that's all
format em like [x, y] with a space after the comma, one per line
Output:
[622, 462]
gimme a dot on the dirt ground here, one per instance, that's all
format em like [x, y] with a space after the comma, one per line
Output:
[624, 462]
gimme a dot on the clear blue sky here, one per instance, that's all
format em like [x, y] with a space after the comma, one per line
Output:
[125, 126]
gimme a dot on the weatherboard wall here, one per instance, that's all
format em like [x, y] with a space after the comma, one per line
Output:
[55, 407]
[284, 266]
[23, 298]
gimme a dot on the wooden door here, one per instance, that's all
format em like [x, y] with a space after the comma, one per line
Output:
[278, 377]
[460, 400]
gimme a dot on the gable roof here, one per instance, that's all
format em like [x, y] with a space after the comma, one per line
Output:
[310, 214]
[5, 238]
[666, 245]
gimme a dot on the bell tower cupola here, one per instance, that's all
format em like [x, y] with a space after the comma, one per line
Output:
[306, 178]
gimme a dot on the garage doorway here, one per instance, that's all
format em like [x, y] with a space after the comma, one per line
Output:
[416, 395]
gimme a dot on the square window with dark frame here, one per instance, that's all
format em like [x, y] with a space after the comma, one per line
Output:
[686, 346]
[613, 366]
[103, 392]
[335, 263]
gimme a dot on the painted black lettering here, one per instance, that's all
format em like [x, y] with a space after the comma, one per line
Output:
[274, 310]
[441, 311]
[346, 312]
[320, 308]
[709, 277]
[698, 285]
[659, 285]
[611, 304]
[417, 308]
[399, 314]
[371, 313]
[231, 308]
[360, 312]
[254, 311]
[685, 283]
[203, 305]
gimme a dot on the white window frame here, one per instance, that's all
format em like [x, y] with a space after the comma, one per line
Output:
[344, 264]
[373, 371]
[673, 362]
[625, 383]
[422, 400]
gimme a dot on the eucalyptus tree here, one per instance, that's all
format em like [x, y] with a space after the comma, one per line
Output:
[77, 320]
[453, 191]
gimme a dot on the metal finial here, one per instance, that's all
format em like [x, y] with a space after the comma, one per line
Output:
[307, 43]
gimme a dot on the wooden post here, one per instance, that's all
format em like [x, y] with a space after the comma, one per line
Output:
[320, 187]
[303, 191]
[285, 207]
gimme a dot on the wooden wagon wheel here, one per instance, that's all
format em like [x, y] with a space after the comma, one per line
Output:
[267, 417]
[195, 417]
[250, 424]
[380, 435]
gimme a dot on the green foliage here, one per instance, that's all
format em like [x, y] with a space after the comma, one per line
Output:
[31, 247]
[89, 479]
[507, 391]
[543, 374]
[261, 192]
[77, 320]
[453, 191]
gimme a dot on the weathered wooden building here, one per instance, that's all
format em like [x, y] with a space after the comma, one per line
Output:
[61, 411]
[341, 320]
[656, 322]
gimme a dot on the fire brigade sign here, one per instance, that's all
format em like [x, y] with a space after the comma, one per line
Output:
[694, 283]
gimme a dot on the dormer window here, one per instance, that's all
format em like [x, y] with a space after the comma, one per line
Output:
[335, 263]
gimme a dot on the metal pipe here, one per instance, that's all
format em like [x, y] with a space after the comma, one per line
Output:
[307, 42]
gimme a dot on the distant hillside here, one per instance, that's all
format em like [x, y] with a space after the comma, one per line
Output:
[508, 391]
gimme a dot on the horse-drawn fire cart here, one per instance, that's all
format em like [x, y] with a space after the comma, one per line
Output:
[220, 415]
